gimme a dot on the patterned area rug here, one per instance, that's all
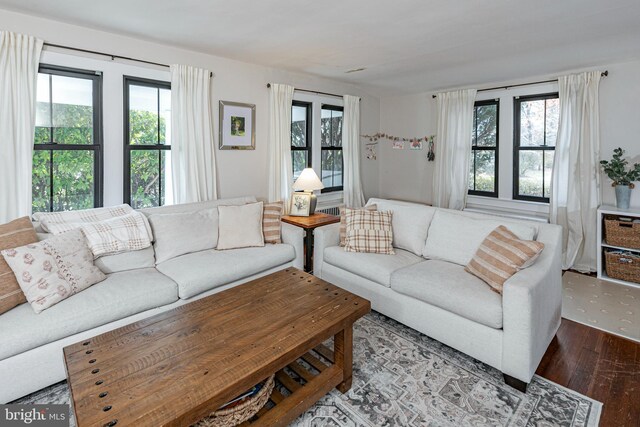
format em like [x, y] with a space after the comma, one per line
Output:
[403, 378]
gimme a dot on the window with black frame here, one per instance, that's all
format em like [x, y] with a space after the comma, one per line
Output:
[535, 131]
[331, 148]
[67, 157]
[483, 167]
[300, 137]
[147, 142]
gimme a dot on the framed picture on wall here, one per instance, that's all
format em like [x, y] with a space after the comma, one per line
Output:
[300, 204]
[237, 126]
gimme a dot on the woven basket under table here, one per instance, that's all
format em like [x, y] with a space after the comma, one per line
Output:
[623, 266]
[235, 415]
[621, 233]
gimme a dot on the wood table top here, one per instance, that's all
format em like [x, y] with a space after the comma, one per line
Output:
[178, 366]
[315, 220]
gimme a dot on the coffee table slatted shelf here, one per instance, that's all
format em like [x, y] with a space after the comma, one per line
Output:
[175, 368]
[293, 379]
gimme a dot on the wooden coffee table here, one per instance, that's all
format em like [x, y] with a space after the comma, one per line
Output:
[177, 367]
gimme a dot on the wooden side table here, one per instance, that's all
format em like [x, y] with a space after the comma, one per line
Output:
[309, 223]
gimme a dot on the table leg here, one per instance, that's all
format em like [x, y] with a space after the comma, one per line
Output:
[343, 354]
[308, 250]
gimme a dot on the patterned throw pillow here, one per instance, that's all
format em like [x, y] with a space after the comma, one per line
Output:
[501, 255]
[343, 221]
[16, 233]
[271, 226]
[54, 269]
[369, 231]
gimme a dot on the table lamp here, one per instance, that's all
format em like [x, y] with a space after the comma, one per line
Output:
[308, 181]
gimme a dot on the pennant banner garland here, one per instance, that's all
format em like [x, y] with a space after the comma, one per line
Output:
[398, 142]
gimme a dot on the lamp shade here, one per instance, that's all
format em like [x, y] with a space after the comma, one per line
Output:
[308, 180]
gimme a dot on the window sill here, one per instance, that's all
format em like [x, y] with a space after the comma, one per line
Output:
[521, 209]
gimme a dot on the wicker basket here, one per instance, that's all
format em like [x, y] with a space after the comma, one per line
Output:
[238, 414]
[623, 266]
[621, 233]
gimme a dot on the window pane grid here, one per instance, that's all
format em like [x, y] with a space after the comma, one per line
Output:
[535, 138]
[483, 168]
[331, 165]
[67, 158]
[300, 137]
[147, 143]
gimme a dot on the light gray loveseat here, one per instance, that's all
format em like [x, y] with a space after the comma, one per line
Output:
[31, 344]
[424, 285]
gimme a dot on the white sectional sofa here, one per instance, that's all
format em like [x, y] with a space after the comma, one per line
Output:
[424, 285]
[31, 344]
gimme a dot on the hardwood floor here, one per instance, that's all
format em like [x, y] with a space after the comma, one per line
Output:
[602, 366]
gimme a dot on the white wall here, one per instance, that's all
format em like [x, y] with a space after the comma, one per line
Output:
[406, 174]
[239, 172]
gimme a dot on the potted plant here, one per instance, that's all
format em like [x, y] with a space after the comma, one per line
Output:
[623, 178]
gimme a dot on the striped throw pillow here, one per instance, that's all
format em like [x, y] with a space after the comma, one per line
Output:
[343, 221]
[501, 255]
[271, 226]
[19, 232]
[369, 231]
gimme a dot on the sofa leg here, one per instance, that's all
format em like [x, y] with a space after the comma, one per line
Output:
[515, 383]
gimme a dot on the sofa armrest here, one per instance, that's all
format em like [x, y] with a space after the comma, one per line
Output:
[532, 305]
[294, 236]
[324, 237]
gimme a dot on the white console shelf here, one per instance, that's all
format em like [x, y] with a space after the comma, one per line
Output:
[602, 245]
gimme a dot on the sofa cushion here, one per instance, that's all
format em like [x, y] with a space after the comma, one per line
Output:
[181, 233]
[201, 271]
[144, 258]
[448, 286]
[53, 270]
[369, 231]
[455, 236]
[410, 223]
[197, 206]
[16, 233]
[375, 267]
[120, 295]
[240, 226]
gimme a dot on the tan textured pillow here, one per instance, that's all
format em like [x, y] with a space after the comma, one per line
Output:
[369, 231]
[343, 221]
[501, 255]
[54, 269]
[240, 226]
[271, 226]
[13, 234]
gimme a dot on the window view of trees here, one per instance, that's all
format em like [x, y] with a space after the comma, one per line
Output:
[148, 149]
[67, 141]
[536, 132]
[300, 137]
[331, 143]
[484, 144]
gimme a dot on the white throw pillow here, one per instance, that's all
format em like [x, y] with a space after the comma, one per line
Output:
[455, 236]
[240, 226]
[182, 233]
[410, 223]
[54, 269]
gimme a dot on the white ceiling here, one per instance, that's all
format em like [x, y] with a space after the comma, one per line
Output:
[405, 45]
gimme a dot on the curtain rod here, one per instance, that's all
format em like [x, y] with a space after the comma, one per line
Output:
[604, 74]
[314, 91]
[111, 55]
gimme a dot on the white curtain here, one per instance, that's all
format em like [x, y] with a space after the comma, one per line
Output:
[574, 196]
[19, 61]
[453, 148]
[280, 162]
[352, 183]
[193, 163]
